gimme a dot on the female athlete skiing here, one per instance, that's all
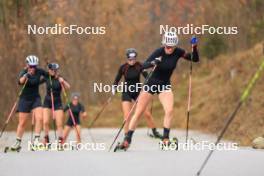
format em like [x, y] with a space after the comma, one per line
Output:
[164, 60]
[131, 70]
[29, 100]
[78, 111]
[52, 102]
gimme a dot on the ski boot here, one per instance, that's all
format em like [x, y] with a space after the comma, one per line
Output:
[46, 142]
[155, 134]
[37, 145]
[16, 147]
[60, 144]
[122, 146]
[169, 144]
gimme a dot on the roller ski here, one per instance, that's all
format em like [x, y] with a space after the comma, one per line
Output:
[16, 147]
[60, 144]
[36, 145]
[169, 144]
[10, 149]
[155, 134]
[122, 146]
[46, 142]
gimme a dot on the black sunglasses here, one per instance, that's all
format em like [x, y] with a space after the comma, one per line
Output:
[32, 66]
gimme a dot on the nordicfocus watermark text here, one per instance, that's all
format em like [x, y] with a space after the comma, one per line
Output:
[199, 146]
[190, 29]
[71, 145]
[124, 87]
[58, 29]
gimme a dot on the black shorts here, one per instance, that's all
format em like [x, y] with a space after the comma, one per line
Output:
[157, 87]
[28, 104]
[126, 96]
[70, 122]
[57, 103]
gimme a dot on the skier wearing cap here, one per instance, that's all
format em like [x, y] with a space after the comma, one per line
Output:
[78, 112]
[52, 102]
[164, 60]
[131, 71]
[29, 100]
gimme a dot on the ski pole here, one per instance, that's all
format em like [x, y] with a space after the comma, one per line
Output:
[101, 111]
[242, 99]
[189, 97]
[132, 109]
[70, 111]
[151, 114]
[97, 116]
[32, 126]
[52, 107]
[13, 108]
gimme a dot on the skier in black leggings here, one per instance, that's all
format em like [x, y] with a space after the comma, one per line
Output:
[131, 71]
[29, 100]
[165, 59]
[78, 111]
[54, 84]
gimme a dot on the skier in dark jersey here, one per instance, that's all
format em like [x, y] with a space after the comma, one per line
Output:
[131, 71]
[165, 59]
[78, 111]
[54, 84]
[30, 100]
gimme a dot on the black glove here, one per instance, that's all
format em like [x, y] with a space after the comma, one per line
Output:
[26, 75]
[156, 61]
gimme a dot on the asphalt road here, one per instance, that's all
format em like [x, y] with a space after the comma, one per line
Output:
[143, 158]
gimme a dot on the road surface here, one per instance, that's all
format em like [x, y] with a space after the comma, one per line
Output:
[143, 158]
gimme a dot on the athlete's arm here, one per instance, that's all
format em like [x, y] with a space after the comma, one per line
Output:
[194, 54]
[65, 108]
[43, 72]
[143, 71]
[65, 83]
[148, 63]
[42, 80]
[83, 113]
[22, 80]
[118, 76]
[23, 75]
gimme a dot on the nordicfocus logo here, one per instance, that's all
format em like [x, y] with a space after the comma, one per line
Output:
[190, 29]
[72, 145]
[58, 29]
[123, 87]
[198, 146]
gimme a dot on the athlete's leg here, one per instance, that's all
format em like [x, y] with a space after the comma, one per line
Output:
[167, 100]
[38, 115]
[46, 120]
[143, 101]
[78, 133]
[150, 122]
[126, 107]
[66, 132]
[22, 120]
[149, 117]
[59, 122]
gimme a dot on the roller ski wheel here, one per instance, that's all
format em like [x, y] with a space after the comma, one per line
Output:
[121, 146]
[9, 149]
[169, 144]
